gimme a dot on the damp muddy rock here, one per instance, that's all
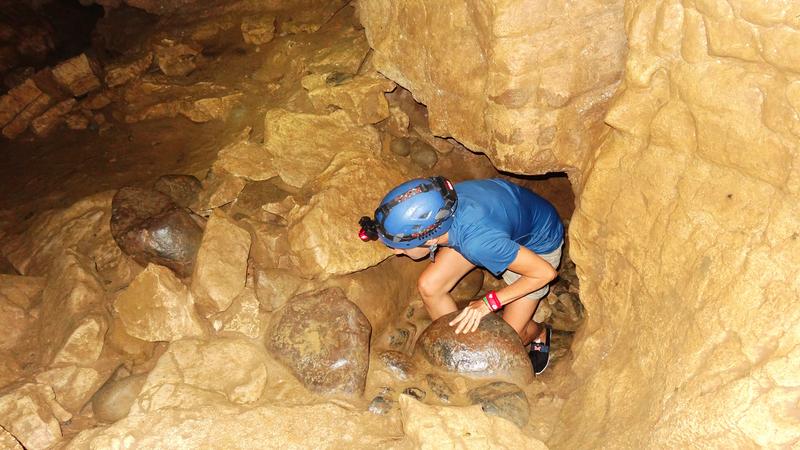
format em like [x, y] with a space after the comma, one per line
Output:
[494, 350]
[151, 228]
[504, 400]
[323, 338]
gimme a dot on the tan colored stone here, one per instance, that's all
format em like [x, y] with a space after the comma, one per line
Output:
[212, 108]
[114, 400]
[497, 79]
[361, 96]
[258, 30]
[234, 369]
[83, 226]
[73, 385]
[398, 122]
[321, 138]
[274, 287]
[96, 101]
[220, 269]
[177, 59]
[76, 75]
[30, 414]
[121, 73]
[246, 159]
[20, 123]
[71, 317]
[158, 307]
[219, 188]
[52, 118]
[17, 99]
[15, 319]
[215, 426]
[76, 121]
[692, 199]
[134, 349]
[434, 427]
[19, 291]
[8, 441]
[322, 234]
[242, 316]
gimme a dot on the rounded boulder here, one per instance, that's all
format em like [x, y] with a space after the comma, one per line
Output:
[493, 351]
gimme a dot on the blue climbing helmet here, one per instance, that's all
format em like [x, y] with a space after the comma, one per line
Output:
[412, 213]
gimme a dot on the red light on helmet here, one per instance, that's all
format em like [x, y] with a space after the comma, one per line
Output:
[362, 234]
[449, 184]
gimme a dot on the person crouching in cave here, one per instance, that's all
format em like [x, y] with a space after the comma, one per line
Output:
[494, 224]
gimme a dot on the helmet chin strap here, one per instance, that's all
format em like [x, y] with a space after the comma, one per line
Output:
[432, 254]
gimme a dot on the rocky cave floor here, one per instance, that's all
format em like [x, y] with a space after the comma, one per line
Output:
[221, 298]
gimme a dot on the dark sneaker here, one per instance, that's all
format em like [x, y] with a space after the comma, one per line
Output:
[540, 353]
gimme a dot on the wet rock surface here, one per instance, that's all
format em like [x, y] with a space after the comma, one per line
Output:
[504, 400]
[493, 350]
[324, 339]
[399, 364]
[440, 388]
[150, 227]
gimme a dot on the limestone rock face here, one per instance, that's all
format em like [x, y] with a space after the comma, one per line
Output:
[258, 30]
[123, 72]
[234, 369]
[221, 427]
[149, 227]
[76, 75]
[246, 159]
[158, 307]
[221, 269]
[526, 84]
[30, 414]
[324, 339]
[177, 59]
[17, 295]
[53, 117]
[83, 227]
[321, 137]
[361, 96]
[693, 201]
[322, 234]
[494, 350]
[433, 427]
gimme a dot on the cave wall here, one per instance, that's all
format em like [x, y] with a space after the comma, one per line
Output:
[686, 235]
[686, 228]
[525, 81]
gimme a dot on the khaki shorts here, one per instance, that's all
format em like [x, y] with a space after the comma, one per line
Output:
[554, 258]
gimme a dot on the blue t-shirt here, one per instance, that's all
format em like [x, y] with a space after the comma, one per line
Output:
[494, 217]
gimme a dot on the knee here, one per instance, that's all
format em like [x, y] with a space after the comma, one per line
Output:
[428, 288]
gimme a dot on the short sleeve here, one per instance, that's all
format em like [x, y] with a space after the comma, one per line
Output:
[489, 248]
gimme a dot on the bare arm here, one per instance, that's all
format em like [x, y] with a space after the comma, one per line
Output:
[534, 272]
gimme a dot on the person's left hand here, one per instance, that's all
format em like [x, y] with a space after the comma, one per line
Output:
[470, 317]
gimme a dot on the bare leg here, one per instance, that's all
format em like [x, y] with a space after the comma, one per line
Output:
[518, 314]
[439, 278]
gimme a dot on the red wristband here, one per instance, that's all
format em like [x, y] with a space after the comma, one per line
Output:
[494, 302]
